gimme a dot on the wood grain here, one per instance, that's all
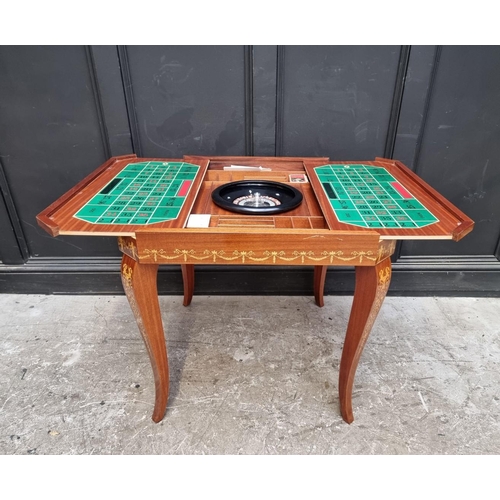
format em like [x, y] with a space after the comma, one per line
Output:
[258, 246]
[188, 283]
[139, 283]
[371, 288]
[319, 284]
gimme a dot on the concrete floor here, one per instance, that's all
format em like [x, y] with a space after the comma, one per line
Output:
[249, 375]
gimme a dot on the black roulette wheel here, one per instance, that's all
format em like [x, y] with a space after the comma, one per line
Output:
[257, 197]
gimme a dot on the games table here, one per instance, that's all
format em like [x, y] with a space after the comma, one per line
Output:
[162, 211]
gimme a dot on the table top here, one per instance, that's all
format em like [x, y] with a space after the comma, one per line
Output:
[366, 196]
[142, 193]
[129, 195]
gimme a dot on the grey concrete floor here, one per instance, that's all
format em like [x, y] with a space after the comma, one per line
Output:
[249, 375]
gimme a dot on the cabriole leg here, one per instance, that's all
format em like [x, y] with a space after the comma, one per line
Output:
[139, 283]
[370, 290]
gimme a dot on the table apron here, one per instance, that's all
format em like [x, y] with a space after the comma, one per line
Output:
[182, 247]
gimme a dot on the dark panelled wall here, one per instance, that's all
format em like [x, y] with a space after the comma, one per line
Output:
[65, 109]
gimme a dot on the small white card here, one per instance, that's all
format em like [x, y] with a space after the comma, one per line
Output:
[198, 220]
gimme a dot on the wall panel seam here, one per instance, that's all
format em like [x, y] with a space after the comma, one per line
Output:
[98, 101]
[13, 215]
[280, 100]
[129, 99]
[397, 99]
[248, 90]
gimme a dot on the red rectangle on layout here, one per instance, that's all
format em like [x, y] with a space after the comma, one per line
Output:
[401, 190]
[183, 190]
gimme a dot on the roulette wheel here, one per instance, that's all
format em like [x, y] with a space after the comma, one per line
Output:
[257, 197]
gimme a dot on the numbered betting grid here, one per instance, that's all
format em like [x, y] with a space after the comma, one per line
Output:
[366, 196]
[142, 193]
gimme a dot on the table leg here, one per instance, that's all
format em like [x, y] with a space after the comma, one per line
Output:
[188, 282]
[139, 283]
[371, 288]
[319, 284]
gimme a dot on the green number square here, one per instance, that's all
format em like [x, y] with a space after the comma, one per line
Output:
[410, 204]
[327, 178]
[92, 210]
[402, 218]
[179, 201]
[128, 174]
[102, 199]
[168, 201]
[348, 215]
[165, 213]
[342, 204]
[421, 215]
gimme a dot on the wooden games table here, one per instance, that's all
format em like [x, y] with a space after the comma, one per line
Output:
[162, 212]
